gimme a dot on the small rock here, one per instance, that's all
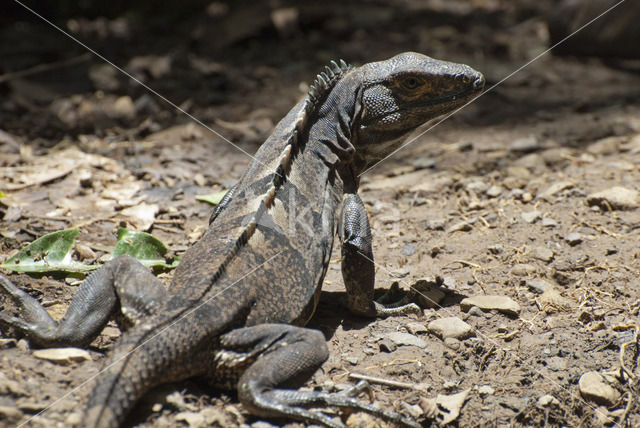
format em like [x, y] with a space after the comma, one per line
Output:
[523, 269]
[405, 339]
[23, 345]
[352, 359]
[450, 327]
[463, 226]
[502, 304]
[574, 238]
[525, 145]
[408, 250]
[549, 222]
[531, 216]
[85, 252]
[605, 146]
[416, 327]
[387, 345]
[478, 187]
[548, 400]
[593, 387]
[494, 191]
[437, 224]
[539, 285]
[399, 273]
[555, 188]
[496, 249]
[8, 343]
[485, 390]
[527, 197]
[62, 356]
[542, 253]
[176, 400]
[423, 163]
[10, 413]
[617, 198]
[452, 343]
[74, 419]
[475, 311]
[156, 407]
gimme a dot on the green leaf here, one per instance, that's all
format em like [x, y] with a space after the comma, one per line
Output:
[212, 198]
[49, 253]
[144, 247]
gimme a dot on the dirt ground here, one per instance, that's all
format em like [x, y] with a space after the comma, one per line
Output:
[501, 199]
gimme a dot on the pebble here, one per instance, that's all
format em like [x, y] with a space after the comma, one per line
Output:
[62, 356]
[525, 145]
[555, 188]
[424, 163]
[476, 312]
[10, 413]
[436, 224]
[574, 238]
[549, 222]
[547, 400]
[450, 327]
[531, 216]
[485, 390]
[23, 345]
[593, 387]
[502, 304]
[463, 226]
[494, 191]
[617, 198]
[405, 339]
[552, 301]
[74, 419]
[542, 253]
[452, 343]
[539, 285]
[523, 269]
[193, 419]
[416, 327]
[496, 249]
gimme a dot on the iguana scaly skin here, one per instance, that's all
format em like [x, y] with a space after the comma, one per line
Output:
[233, 310]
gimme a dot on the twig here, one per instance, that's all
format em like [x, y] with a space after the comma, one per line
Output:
[44, 67]
[382, 381]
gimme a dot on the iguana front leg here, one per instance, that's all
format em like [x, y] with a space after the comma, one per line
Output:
[358, 269]
[123, 283]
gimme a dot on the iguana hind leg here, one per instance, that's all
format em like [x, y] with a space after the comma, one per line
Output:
[121, 283]
[284, 356]
[358, 269]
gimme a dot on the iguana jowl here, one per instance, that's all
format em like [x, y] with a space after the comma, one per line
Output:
[237, 300]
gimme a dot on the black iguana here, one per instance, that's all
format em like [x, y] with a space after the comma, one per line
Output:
[238, 299]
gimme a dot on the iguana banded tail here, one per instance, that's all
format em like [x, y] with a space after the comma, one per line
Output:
[238, 299]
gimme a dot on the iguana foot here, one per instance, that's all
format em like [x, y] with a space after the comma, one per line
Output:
[285, 356]
[122, 282]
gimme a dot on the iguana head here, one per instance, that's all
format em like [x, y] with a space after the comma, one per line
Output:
[402, 93]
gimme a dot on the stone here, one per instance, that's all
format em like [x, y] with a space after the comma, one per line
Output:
[574, 238]
[525, 145]
[547, 400]
[531, 216]
[549, 222]
[594, 388]
[10, 414]
[405, 339]
[193, 419]
[485, 390]
[494, 191]
[463, 226]
[542, 253]
[617, 198]
[502, 304]
[539, 285]
[523, 269]
[63, 356]
[416, 327]
[556, 188]
[450, 327]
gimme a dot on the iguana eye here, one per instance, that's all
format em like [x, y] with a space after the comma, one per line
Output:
[411, 82]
